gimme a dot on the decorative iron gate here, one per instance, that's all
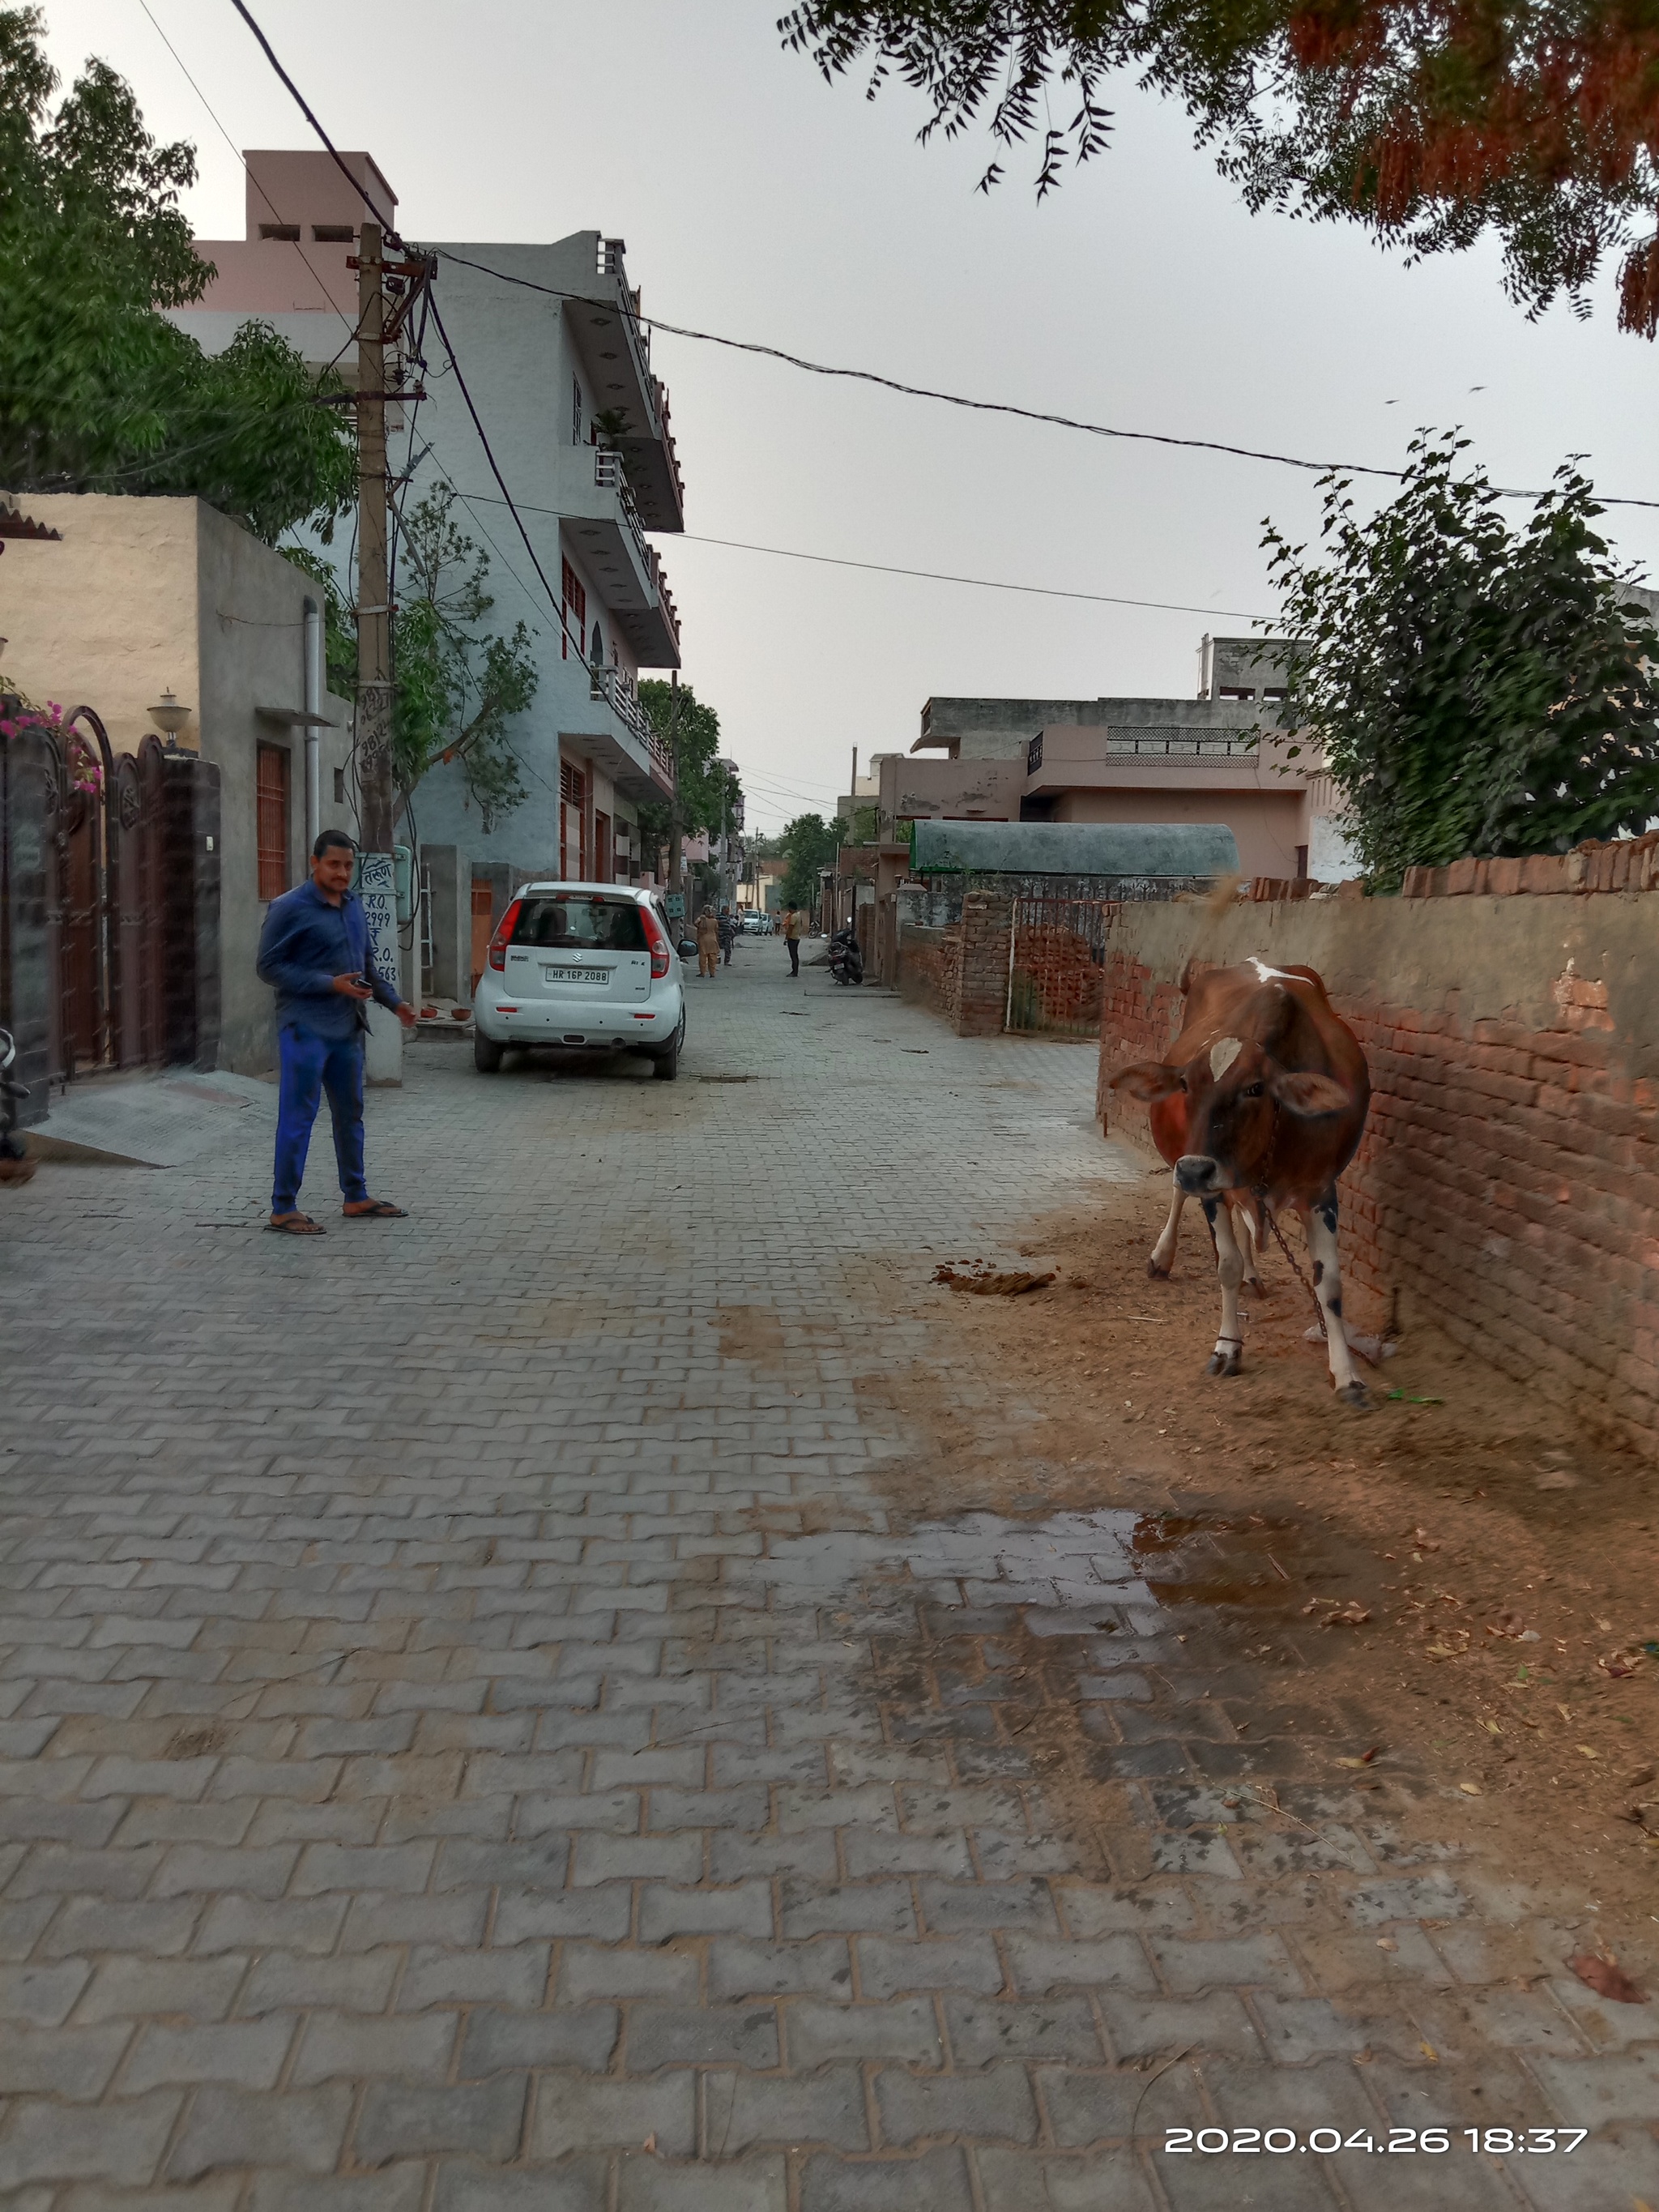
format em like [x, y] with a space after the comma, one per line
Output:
[108, 900]
[1056, 966]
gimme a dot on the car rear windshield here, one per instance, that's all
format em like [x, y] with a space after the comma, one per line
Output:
[582, 923]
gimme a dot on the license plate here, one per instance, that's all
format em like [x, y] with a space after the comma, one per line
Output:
[575, 974]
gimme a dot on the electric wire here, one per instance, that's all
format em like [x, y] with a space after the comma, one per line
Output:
[276, 215]
[357, 185]
[556, 604]
[932, 576]
[982, 583]
[873, 376]
[1004, 406]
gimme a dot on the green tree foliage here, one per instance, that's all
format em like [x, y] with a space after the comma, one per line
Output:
[98, 391]
[1475, 688]
[1430, 121]
[708, 792]
[457, 683]
[809, 843]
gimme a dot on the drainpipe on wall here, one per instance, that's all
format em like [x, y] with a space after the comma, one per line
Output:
[313, 695]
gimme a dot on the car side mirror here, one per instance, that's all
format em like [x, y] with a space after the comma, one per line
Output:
[688, 948]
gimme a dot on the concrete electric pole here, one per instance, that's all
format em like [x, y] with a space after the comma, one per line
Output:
[377, 877]
[373, 612]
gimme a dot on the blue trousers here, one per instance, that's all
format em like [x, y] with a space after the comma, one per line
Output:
[309, 1065]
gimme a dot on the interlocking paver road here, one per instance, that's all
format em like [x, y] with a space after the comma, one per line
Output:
[476, 1733]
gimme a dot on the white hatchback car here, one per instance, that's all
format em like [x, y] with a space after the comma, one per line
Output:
[593, 966]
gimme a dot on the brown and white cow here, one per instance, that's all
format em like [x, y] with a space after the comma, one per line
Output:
[1267, 1090]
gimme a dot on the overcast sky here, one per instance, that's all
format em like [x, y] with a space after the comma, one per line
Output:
[757, 202]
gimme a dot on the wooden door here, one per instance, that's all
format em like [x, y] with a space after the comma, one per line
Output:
[483, 908]
[271, 819]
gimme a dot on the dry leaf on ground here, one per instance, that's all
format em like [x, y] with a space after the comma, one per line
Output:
[1605, 1978]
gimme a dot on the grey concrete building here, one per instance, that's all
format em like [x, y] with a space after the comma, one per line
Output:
[557, 363]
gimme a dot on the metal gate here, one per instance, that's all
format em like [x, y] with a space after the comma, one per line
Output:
[1056, 966]
[108, 900]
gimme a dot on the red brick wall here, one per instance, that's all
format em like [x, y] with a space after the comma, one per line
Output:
[1508, 1183]
[1064, 981]
[987, 917]
[930, 969]
[961, 972]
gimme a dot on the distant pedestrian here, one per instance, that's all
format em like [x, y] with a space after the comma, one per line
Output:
[791, 929]
[728, 932]
[708, 941]
[315, 954]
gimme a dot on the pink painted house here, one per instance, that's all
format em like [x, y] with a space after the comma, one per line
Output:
[1133, 760]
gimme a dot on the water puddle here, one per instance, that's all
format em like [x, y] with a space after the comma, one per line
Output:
[1081, 1573]
[1218, 1561]
[1119, 1686]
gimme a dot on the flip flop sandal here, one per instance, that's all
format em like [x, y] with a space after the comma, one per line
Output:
[379, 1209]
[296, 1225]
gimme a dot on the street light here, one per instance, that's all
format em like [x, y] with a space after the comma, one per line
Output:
[169, 717]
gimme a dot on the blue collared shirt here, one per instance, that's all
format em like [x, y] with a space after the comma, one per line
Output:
[305, 943]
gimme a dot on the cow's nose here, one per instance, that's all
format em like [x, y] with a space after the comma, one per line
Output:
[1196, 1173]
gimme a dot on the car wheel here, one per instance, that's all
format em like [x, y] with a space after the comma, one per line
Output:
[666, 1063]
[486, 1052]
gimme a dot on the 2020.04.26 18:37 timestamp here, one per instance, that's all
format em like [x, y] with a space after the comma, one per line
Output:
[1277, 2142]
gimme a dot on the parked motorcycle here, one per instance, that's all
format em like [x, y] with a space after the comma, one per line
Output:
[846, 961]
[16, 1165]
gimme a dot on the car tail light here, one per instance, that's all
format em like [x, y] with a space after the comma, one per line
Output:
[662, 953]
[503, 937]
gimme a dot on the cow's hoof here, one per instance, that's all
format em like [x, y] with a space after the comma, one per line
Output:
[1225, 1363]
[1158, 1274]
[1356, 1395]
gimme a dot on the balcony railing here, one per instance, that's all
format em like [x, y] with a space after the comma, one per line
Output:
[609, 475]
[1170, 741]
[618, 691]
[611, 263]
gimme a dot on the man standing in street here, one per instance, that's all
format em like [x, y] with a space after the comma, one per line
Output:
[728, 935]
[314, 952]
[791, 936]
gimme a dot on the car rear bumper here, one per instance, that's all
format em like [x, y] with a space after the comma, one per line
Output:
[595, 1027]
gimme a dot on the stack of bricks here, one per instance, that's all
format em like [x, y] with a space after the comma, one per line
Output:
[1265, 888]
[1624, 863]
[1507, 1186]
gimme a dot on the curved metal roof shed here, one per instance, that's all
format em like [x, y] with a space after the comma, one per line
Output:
[1155, 849]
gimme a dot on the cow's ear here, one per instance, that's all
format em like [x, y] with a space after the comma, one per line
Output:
[1148, 1080]
[1302, 1091]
